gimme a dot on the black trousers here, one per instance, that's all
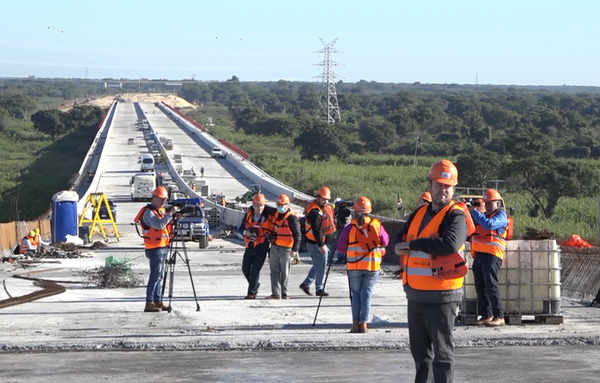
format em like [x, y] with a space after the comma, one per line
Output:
[430, 328]
[485, 273]
[252, 263]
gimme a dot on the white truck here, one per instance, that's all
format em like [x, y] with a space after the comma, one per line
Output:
[142, 186]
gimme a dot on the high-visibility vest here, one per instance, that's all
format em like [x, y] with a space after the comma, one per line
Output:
[417, 270]
[281, 227]
[35, 240]
[364, 245]
[488, 241]
[153, 238]
[250, 223]
[327, 225]
[26, 243]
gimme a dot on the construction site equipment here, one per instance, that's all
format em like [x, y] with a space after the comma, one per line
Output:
[253, 190]
[96, 201]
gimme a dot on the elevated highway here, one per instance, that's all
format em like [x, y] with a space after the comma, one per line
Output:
[119, 162]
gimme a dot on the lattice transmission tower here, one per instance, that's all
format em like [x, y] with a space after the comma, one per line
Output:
[329, 108]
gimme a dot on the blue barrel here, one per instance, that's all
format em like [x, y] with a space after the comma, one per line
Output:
[64, 215]
[153, 136]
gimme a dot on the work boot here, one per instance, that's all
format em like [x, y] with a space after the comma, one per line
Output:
[285, 296]
[273, 297]
[355, 327]
[161, 306]
[495, 322]
[483, 321]
[362, 327]
[321, 292]
[151, 308]
[250, 296]
[305, 288]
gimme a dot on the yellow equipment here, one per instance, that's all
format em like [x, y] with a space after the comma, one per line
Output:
[97, 200]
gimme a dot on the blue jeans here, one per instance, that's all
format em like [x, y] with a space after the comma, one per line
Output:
[317, 271]
[361, 285]
[157, 266]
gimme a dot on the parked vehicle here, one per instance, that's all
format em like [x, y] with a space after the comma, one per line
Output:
[131, 141]
[194, 225]
[142, 185]
[169, 144]
[103, 211]
[146, 162]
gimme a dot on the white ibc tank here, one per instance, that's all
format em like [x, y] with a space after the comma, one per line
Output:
[529, 279]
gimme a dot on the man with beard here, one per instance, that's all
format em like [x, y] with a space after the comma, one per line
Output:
[437, 229]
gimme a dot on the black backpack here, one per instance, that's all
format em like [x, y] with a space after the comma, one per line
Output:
[16, 249]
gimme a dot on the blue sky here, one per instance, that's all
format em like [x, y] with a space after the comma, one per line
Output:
[525, 42]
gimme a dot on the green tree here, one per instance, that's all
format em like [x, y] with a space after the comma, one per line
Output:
[545, 179]
[49, 121]
[376, 133]
[320, 141]
[478, 167]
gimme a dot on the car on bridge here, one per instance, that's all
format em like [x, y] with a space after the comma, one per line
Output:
[218, 153]
[194, 225]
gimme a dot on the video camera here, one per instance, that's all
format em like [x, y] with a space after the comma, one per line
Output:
[186, 205]
[343, 203]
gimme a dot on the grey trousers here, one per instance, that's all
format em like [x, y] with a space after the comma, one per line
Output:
[430, 328]
[280, 263]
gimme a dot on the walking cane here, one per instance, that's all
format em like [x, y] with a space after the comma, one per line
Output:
[330, 261]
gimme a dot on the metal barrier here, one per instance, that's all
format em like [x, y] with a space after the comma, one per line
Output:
[580, 272]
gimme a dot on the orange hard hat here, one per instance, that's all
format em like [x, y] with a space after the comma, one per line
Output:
[160, 192]
[425, 196]
[259, 198]
[491, 195]
[324, 192]
[444, 172]
[283, 199]
[362, 205]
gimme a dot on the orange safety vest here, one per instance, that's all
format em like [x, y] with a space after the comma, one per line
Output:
[488, 241]
[417, 271]
[327, 225]
[153, 238]
[364, 246]
[23, 248]
[282, 229]
[250, 223]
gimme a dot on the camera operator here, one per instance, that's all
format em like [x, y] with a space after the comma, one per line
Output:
[320, 229]
[256, 245]
[283, 232]
[157, 227]
[343, 216]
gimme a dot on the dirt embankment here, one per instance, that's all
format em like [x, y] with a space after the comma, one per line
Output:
[104, 102]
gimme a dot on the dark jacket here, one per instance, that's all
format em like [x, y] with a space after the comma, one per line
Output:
[453, 234]
[267, 212]
[314, 218]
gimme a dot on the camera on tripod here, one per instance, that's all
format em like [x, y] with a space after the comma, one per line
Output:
[253, 235]
[184, 207]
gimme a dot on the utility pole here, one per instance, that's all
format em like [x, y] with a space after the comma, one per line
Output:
[329, 108]
[417, 138]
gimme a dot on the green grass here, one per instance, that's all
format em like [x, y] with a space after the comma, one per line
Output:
[33, 167]
[382, 177]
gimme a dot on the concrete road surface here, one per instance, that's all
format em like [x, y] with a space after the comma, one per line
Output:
[489, 365]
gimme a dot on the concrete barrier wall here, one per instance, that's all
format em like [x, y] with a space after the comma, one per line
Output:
[253, 172]
[99, 142]
[228, 216]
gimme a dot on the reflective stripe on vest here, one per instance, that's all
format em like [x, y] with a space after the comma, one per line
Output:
[327, 225]
[363, 251]
[282, 228]
[153, 238]
[417, 268]
[488, 241]
[250, 223]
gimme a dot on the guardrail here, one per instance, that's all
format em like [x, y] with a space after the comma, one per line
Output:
[102, 136]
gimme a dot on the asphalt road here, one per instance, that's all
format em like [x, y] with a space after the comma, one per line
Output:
[506, 364]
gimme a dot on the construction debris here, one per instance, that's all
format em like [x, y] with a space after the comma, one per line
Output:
[535, 234]
[114, 274]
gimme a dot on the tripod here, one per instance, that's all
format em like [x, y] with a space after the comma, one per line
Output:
[171, 261]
